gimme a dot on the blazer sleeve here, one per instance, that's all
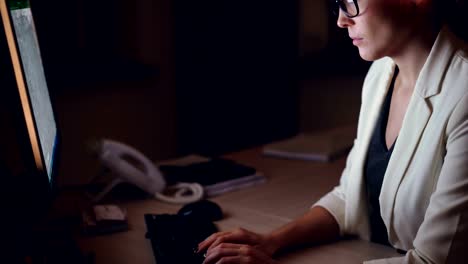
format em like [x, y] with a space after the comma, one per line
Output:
[443, 235]
[335, 201]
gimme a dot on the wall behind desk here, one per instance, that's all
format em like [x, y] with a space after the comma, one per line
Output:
[112, 68]
[109, 69]
[330, 101]
[138, 113]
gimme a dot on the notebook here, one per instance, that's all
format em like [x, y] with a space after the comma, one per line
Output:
[322, 146]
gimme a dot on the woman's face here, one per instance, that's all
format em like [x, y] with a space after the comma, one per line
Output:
[382, 28]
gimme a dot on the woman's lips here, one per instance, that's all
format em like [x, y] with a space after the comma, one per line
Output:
[357, 41]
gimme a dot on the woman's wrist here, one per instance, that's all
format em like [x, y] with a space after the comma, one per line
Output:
[272, 244]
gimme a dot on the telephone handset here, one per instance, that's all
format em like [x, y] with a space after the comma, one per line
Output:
[130, 165]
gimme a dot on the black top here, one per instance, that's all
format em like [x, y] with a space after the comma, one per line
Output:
[377, 160]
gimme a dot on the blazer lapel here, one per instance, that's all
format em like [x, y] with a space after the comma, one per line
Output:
[417, 116]
[356, 202]
[415, 120]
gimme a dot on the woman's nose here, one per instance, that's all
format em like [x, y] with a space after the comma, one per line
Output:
[343, 20]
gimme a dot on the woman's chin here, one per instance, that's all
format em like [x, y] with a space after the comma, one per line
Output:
[368, 56]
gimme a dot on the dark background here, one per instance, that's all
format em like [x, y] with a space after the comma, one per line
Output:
[172, 77]
[178, 77]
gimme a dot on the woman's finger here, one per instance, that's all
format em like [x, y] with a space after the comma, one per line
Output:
[224, 245]
[240, 236]
[209, 240]
[222, 251]
[237, 253]
[231, 260]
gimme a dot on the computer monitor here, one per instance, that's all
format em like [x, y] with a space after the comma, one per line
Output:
[29, 135]
[30, 130]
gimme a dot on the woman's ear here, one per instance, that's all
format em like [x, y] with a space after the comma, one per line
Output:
[422, 3]
[422, 6]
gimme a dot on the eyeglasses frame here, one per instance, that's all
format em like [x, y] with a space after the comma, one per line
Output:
[345, 12]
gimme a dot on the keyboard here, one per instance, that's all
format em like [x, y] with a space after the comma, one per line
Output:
[175, 238]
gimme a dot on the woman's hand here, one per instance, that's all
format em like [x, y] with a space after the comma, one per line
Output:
[228, 253]
[239, 236]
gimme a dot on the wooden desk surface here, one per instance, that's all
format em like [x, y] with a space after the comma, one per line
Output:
[292, 187]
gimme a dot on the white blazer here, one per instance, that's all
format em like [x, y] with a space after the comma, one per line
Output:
[424, 196]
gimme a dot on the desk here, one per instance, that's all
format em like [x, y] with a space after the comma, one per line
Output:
[291, 188]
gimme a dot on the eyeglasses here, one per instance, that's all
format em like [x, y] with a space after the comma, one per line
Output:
[349, 7]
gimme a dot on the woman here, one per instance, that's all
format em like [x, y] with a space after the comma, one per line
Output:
[406, 179]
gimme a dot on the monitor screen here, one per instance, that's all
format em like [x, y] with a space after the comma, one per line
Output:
[31, 82]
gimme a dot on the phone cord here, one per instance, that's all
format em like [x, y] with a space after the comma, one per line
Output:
[184, 193]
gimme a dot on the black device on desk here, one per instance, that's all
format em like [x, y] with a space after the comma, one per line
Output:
[175, 238]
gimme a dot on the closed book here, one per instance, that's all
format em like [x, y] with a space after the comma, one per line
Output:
[319, 146]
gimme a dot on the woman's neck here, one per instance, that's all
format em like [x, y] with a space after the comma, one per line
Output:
[411, 58]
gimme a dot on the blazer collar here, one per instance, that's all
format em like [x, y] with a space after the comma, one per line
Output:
[433, 72]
